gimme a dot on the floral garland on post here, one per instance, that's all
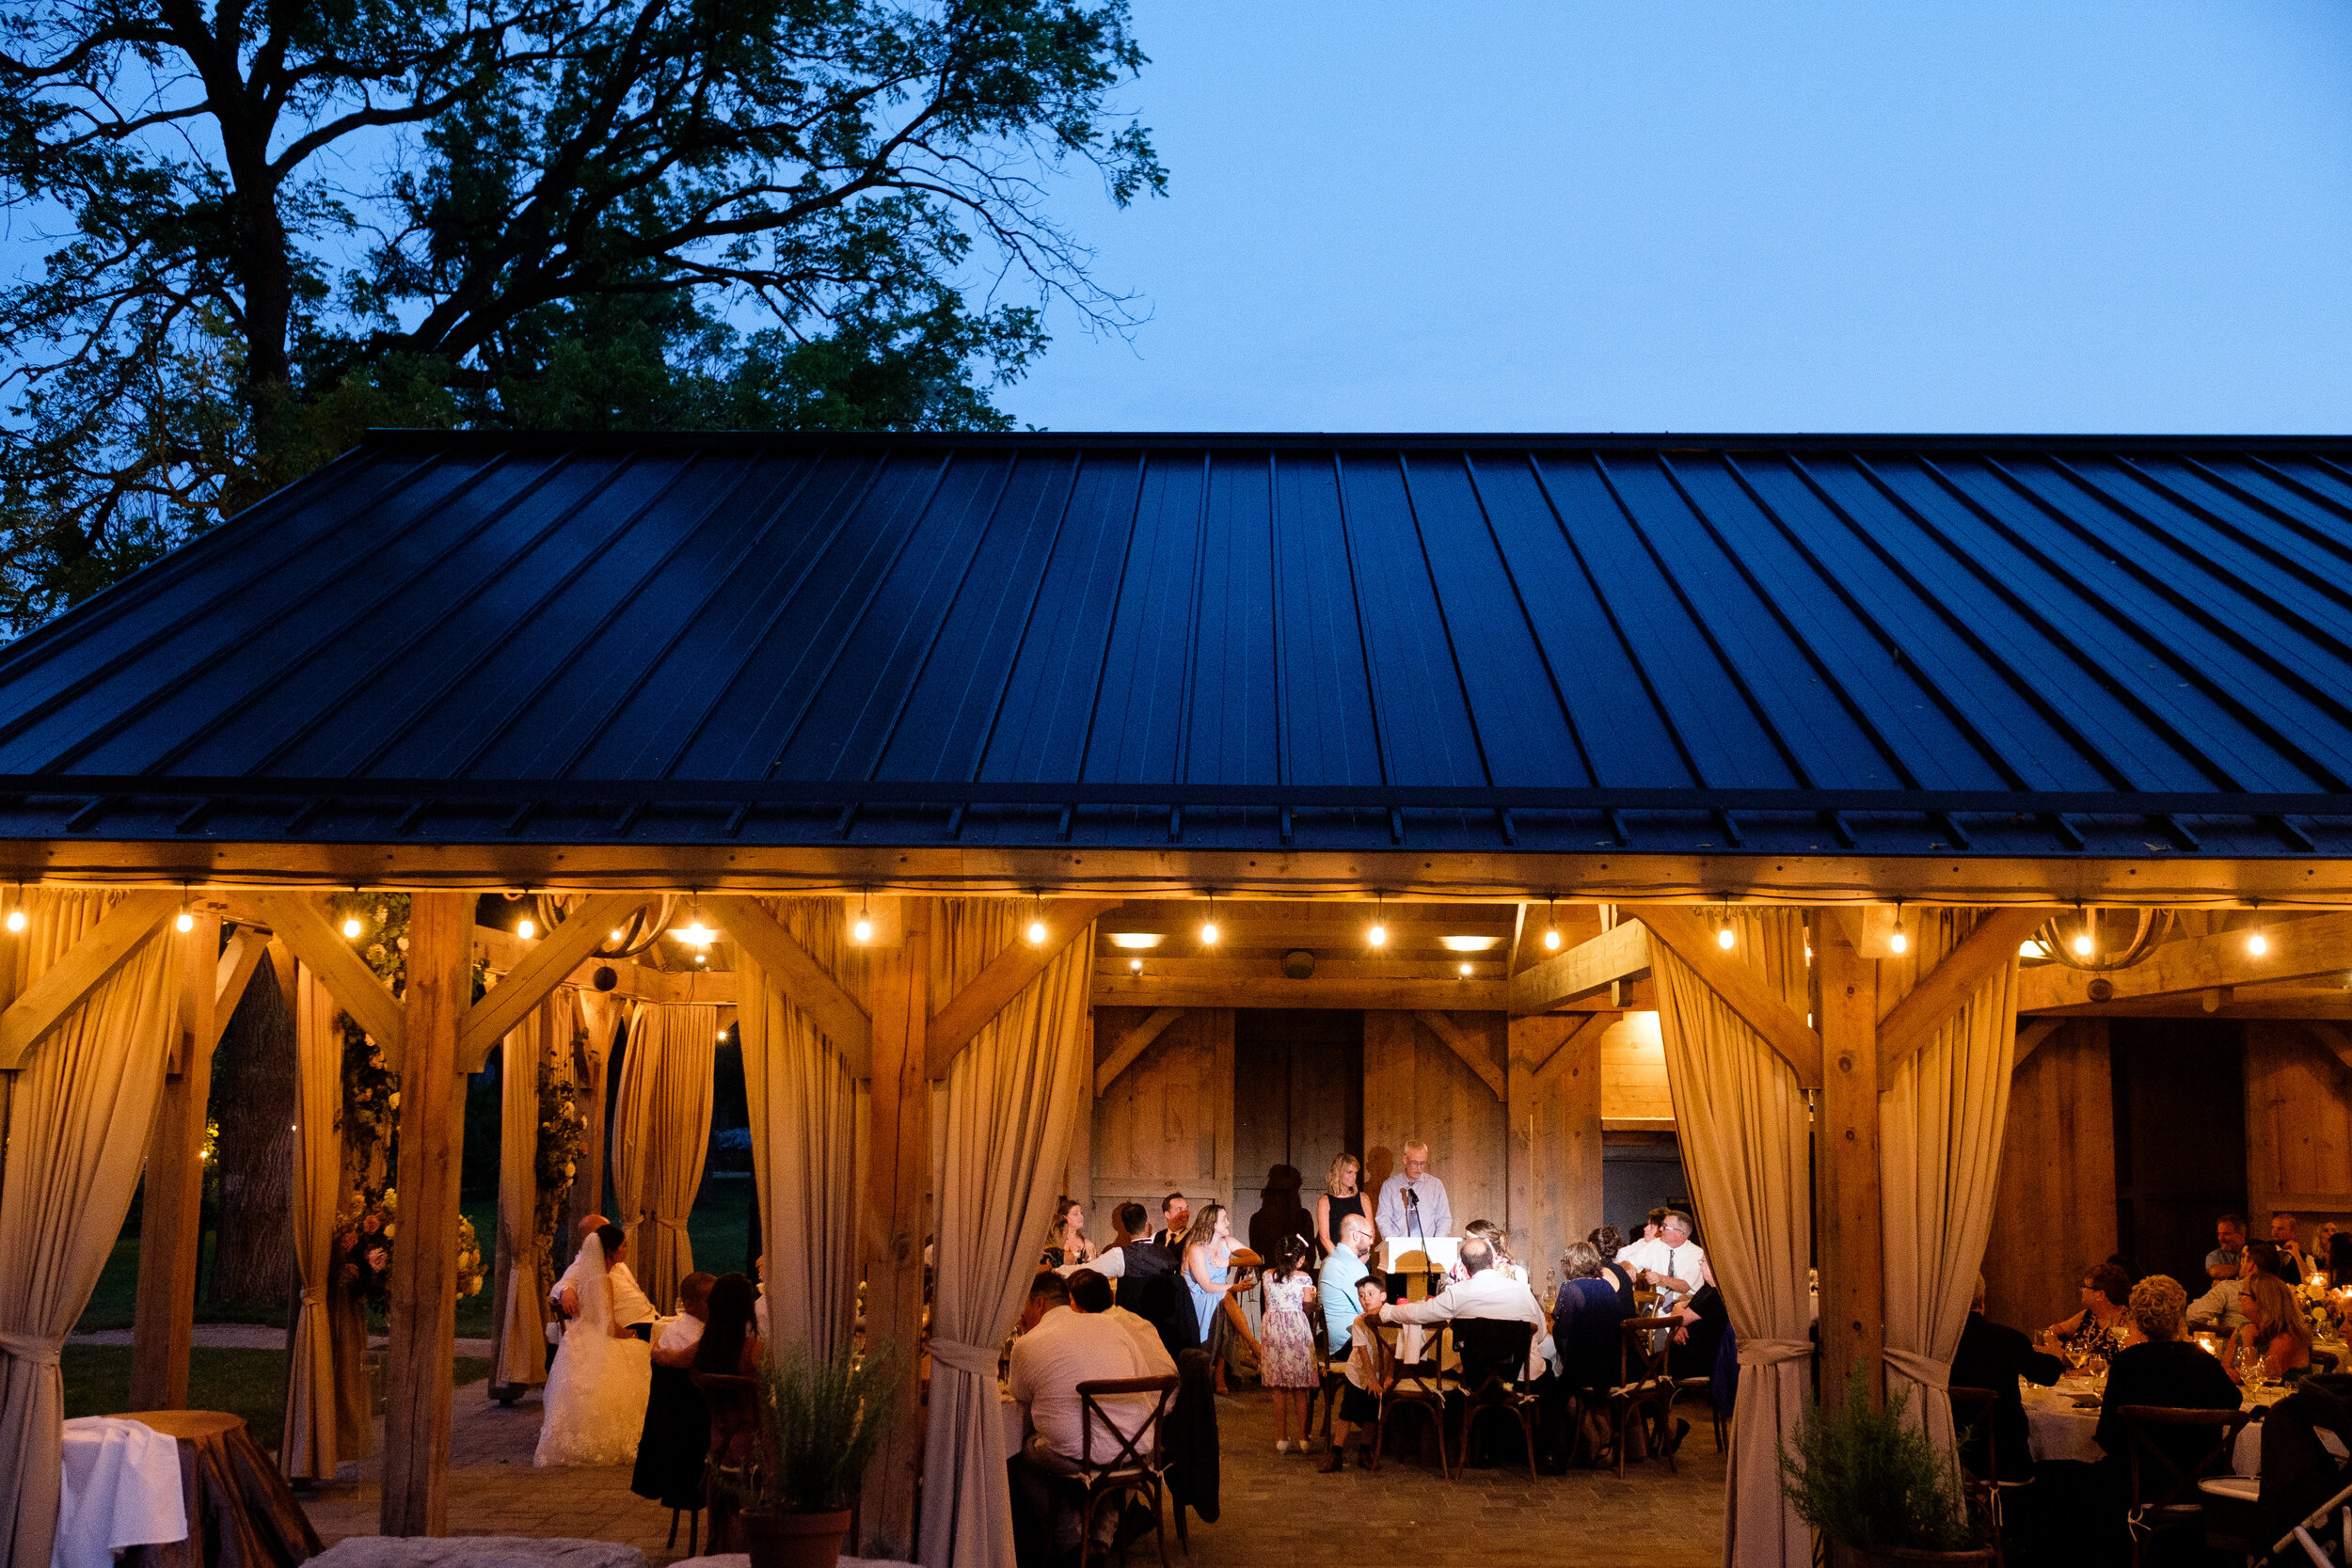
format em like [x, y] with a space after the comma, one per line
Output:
[562, 1137]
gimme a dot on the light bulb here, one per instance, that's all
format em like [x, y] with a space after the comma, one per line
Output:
[614, 936]
[698, 958]
[1036, 932]
[863, 930]
[1208, 933]
[1377, 936]
[16, 920]
[1136, 964]
[186, 921]
[1724, 936]
[1551, 940]
[1466, 969]
[1898, 942]
[2082, 945]
[698, 934]
[722, 1037]
[2258, 944]
[526, 927]
[351, 928]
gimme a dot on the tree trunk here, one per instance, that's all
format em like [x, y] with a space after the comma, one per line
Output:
[253, 1101]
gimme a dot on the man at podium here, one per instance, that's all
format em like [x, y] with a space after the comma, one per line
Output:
[1412, 1201]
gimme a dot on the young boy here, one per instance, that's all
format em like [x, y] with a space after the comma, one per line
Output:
[1359, 1402]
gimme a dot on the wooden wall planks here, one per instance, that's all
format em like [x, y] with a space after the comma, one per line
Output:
[2298, 1125]
[1414, 1084]
[1166, 1125]
[2054, 1216]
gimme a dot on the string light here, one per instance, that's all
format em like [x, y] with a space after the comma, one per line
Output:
[1134, 965]
[1551, 925]
[1466, 969]
[1037, 923]
[16, 911]
[1378, 935]
[352, 927]
[526, 927]
[2258, 944]
[1724, 936]
[861, 929]
[1208, 927]
[2084, 945]
[187, 916]
[696, 933]
[1898, 942]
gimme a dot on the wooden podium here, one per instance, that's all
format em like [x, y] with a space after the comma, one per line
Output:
[1411, 1263]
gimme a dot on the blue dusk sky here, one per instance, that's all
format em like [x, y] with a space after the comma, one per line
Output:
[1779, 216]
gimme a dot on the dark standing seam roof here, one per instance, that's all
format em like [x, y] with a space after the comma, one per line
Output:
[1887, 644]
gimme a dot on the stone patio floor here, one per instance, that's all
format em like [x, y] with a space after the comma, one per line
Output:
[1276, 1508]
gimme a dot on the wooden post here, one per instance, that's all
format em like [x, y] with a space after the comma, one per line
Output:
[1553, 1175]
[1849, 1243]
[601, 1011]
[891, 1228]
[171, 1214]
[424, 1274]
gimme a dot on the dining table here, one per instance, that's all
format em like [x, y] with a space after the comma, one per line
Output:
[2062, 1420]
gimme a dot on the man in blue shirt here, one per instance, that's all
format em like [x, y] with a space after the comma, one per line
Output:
[1335, 1287]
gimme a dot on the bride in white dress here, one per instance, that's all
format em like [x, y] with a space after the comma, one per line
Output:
[596, 1397]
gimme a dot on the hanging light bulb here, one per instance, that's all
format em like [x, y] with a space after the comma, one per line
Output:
[862, 929]
[1724, 936]
[1135, 966]
[1466, 969]
[696, 933]
[352, 927]
[2258, 944]
[2083, 944]
[1037, 922]
[16, 918]
[187, 916]
[1378, 935]
[526, 927]
[1898, 942]
[1208, 927]
[1551, 925]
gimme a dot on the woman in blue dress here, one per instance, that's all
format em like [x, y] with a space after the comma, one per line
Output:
[1208, 1254]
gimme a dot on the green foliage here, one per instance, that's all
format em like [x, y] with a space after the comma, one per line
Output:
[268, 228]
[1862, 1477]
[562, 1139]
[823, 1420]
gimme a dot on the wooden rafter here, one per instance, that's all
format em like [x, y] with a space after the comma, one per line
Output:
[1593, 1024]
[1943, 992]
[238, 960]
[543, 968]
[2031, 1033]
[968, 1011]
[803, 980]
[1131, 1045]
[2291, 950]
[68, 983]
[1471, 1050]
[300, 921]
[1742, 990]
[1619, 953]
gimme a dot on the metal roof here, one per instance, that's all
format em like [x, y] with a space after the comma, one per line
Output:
[1998, 645]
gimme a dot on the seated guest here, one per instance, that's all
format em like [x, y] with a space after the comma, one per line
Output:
[1068, 1244]
[1127, 1223]
[631, 1312]
[2283, 1236]
[2268, 1257]
[1674, 1274]
[677, 1434]
[2222, 1306]
[1993, 1355]
[1359, 1400]
[1062, 1349]
[729, 1347]
[1090, 1295]
[1335, 1285]
[1048, 1290]
[1486, 1293]
[1609, 1242]
[1700, 1325]
[2276, 1331]
[1150, 1286]
[1645, 1253]
[1584, 1319]
[1497, 1238]
[2162, 1370]
[2099, 1328]
[2228, 1241]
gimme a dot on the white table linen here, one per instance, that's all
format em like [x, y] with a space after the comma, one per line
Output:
[121, 1488]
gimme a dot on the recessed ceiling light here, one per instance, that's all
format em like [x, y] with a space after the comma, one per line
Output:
[1138, 940]
[1470, 945]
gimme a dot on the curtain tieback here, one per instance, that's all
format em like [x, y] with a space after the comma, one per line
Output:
[979, 1360]
[39, 1348]
[1923, 1369]
[1771, 1353]
[314, 1296]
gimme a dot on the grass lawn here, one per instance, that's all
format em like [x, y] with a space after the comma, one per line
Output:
[246, 1383]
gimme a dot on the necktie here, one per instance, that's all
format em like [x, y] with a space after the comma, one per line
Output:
[1412, 1208]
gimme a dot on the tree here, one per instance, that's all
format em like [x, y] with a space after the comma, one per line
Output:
[278, 222]
[254, 1103]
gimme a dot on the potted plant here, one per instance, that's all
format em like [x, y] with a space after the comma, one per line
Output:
[821, 1422]
[1876, 1488]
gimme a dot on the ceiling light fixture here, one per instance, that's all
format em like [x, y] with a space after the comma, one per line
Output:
[2085, 942]
[1037, 922]
[1470, 945]
[187, 916]
[1378, 935]
[1138, 941]
[861, 929]
[1724, 935]
[1551, 925]
[16, 911]
[1898, 942]
[1208, 927]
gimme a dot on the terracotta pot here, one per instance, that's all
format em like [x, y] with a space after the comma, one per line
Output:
[794, 1540]
[1906, 1556]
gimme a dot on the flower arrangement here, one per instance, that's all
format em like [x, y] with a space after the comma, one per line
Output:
[370, 1098]
[471, 1275]
[562, 1136]
[363, 1241]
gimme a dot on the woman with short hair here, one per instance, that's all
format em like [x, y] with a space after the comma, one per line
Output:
[2100, 1328]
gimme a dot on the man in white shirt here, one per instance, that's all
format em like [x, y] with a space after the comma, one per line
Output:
[1091, 1296]
[1646, 1252]
[1676, 1261]
[1487, 1292]
[1412, 1201]
[673, 1347]
[631, 1311]
[1063, 1349]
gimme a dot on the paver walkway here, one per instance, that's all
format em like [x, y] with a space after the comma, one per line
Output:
[1277, 1509]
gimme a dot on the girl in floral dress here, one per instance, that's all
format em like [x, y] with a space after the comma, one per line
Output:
[1289, 1365]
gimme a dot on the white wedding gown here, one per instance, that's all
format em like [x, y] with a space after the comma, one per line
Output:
[596, 1397]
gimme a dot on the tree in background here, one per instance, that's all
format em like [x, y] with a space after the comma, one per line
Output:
[276, 223]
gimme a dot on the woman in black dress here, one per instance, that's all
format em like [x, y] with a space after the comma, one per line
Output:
[1341, 1197]
[1608, 1241]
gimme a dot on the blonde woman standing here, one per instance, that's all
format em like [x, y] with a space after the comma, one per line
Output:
[1342, 1196]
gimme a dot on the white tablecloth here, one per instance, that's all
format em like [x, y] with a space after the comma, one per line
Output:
[121, 1489]
[2061, 1431]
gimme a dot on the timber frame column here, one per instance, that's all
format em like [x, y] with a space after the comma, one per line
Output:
[891, 1225]
[170, 1215]
[1849, 1240]
[424, 1274]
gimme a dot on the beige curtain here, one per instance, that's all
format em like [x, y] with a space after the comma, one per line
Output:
[308, 1442]
[1742, 1118]
[807, 1114]
[661, 1135]
[518, 1352]
[1004, 1134]
[79, 1116]
[1940, 1123]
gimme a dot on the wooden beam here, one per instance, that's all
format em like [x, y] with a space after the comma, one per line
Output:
[1121, 987]
[1472, 1051]
[2293, 950]
[545, 966]
[283, 970]
[171, 1209]
[423, 1285]
[238, 960]
[1743, 991]
[2335, 1038]
[804, 981]
[1617, 953]
[1946, 989]
[1586, 1024]
[968, 1011]
[68, 983]
[894, 1221]
[1131, 1045]
[299, 920]
[1849, 1243]
[2030, 1034]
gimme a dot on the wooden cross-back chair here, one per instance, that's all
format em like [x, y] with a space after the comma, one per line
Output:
[1414, 1386]
[1137, 1468]
[1493, 1353]
[2164, 1491]
[1644, 1387]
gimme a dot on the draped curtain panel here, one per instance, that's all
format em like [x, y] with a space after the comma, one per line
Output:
[660, 1136]
[1941, 1118]
[1742, 1118]
[1011, 1100]
[518, 1352]
[309, 1443]
[79, 1117]
[807, 1116]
